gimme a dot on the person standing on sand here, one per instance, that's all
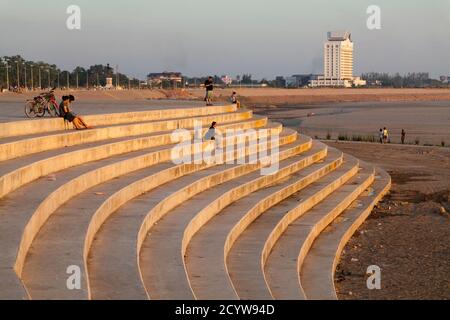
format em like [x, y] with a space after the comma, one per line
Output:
[385, 135]
[381, 135]
[209, 87]
[403, 136]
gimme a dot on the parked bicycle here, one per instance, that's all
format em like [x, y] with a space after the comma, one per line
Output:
[37, 106]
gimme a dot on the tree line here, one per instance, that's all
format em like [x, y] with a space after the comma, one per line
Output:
[19, 72]
[409, 80]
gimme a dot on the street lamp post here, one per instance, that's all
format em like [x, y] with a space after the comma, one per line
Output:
[7, 75]
[25, 76]
[18, 76]
[40, 78]
[117, 77]
[32, 81]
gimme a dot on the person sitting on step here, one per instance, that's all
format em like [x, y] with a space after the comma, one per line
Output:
[234, 100]
[64, 112]
[211, 133]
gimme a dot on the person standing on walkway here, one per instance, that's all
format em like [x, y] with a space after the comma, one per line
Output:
[381, 136]
[403, 136]
[209, 87]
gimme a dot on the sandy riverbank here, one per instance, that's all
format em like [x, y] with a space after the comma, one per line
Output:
[266, 96]
[407, 235]
[277, 97]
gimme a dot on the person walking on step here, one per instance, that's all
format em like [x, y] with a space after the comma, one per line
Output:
[209, 87]
[68, 115]
[403, 136]
[211, 133]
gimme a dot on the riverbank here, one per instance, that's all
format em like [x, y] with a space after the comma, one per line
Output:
[407, 235]
[425, 122]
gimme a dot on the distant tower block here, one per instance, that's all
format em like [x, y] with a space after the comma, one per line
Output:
[338, 56]
[338, 62]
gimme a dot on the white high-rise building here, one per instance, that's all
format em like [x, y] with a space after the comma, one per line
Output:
[338, 62]
[338, 56]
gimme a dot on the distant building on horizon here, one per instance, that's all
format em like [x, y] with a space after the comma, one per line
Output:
[338, 63]
[300, 80]
[444, 79]
[160, 78]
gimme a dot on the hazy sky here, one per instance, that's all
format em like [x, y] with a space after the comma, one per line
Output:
[197, 37]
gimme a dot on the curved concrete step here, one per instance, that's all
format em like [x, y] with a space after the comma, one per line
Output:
[207, 251]
[246, 257]
[18, 224]
[161, 256]
[59, 243]
[112, 263]
[85, 181]
[17, 172]
[19, 206]
[287, 256]
[317, 273]
[82, 193]
[15, 147]
[29, 127]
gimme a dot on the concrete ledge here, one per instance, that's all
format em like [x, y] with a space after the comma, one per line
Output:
[324, 255]
[21, 176]
[297, 212]
[325, 220]
[173, 200]
[84, 182]
[12, 287]
[207, 213]
[28, 146]
[26, 127]
[271, 201]
[126, 194]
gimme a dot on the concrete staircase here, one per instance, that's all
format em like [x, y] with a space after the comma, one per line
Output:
[138, 225]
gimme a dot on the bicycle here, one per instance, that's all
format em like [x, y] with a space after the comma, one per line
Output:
[51, 104]
[37, 106]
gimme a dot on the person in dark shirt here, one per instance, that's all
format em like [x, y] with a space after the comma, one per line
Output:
[69, 116]
[209, 87]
